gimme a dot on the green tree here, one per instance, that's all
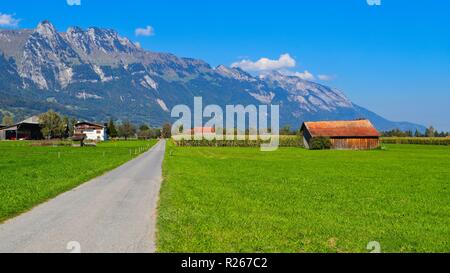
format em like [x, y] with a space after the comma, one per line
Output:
[126, 130]
[145, 132]
[72, 123]
[167, 131]
[417, 133]
[7, 120]
[144, 127]
[430, 132]
[112, 131]
[156, 133]
[67, 131]
[52, 125]
[286, 130]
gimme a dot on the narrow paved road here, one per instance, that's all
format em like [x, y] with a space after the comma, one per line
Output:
[112, 213]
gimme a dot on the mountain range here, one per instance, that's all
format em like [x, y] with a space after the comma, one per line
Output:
[95, 74]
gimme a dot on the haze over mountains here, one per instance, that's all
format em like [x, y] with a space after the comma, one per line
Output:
[95, 74]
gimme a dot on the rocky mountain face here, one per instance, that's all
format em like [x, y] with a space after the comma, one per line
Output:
[95, 74]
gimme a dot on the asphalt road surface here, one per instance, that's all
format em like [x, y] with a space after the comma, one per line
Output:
[112, 213]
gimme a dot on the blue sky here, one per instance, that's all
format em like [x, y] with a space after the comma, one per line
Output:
[393, 59]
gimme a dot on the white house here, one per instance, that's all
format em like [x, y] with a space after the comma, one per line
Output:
[91, 130]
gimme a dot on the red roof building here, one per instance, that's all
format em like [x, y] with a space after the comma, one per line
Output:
[344, 135]
[203, 130]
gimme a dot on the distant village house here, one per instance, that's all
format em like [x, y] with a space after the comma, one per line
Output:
[344, 135]
[30, 129]
[203, 130]
[91, 131]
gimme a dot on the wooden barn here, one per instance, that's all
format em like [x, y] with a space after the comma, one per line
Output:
[344, 135]
[28, 129]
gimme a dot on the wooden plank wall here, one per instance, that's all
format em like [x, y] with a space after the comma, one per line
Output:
[355, 143]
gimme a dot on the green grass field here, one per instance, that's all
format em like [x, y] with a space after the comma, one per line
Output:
[30, 175]
[295, 200]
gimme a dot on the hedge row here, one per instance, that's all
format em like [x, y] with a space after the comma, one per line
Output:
[285, 141]
[416, 140]
[45, 143]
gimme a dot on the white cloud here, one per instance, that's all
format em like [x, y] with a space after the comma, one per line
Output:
[148, 31]
[266, 64]
[325, 77]
[8, 20]
[305, 75]
[74, 2]
[283, 65]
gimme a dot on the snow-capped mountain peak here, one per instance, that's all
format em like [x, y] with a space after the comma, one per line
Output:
[234, 73]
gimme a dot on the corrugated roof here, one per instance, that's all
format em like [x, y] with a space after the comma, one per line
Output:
[354, 128]
[9, 128]
[31, 120]
[34, 120]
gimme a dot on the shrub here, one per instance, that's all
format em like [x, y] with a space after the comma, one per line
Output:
[54, 143]
[291, 141]
[320, 143]
[416, 140]
[285, 141]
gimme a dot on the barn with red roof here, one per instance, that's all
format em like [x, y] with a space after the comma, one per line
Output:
[344, 135]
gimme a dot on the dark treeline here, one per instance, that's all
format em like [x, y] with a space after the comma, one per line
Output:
[429, 132]
[127, 129]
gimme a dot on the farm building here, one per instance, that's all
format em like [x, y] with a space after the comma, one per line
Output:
[92, 131]
[344, 135]
[28, 129]
[203, 130]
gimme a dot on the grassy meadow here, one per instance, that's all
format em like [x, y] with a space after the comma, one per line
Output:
[231, 199]
[31, 174]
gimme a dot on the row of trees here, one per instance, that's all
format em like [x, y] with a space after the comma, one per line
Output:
[429, 132]
[128, 130]
[55, 126]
